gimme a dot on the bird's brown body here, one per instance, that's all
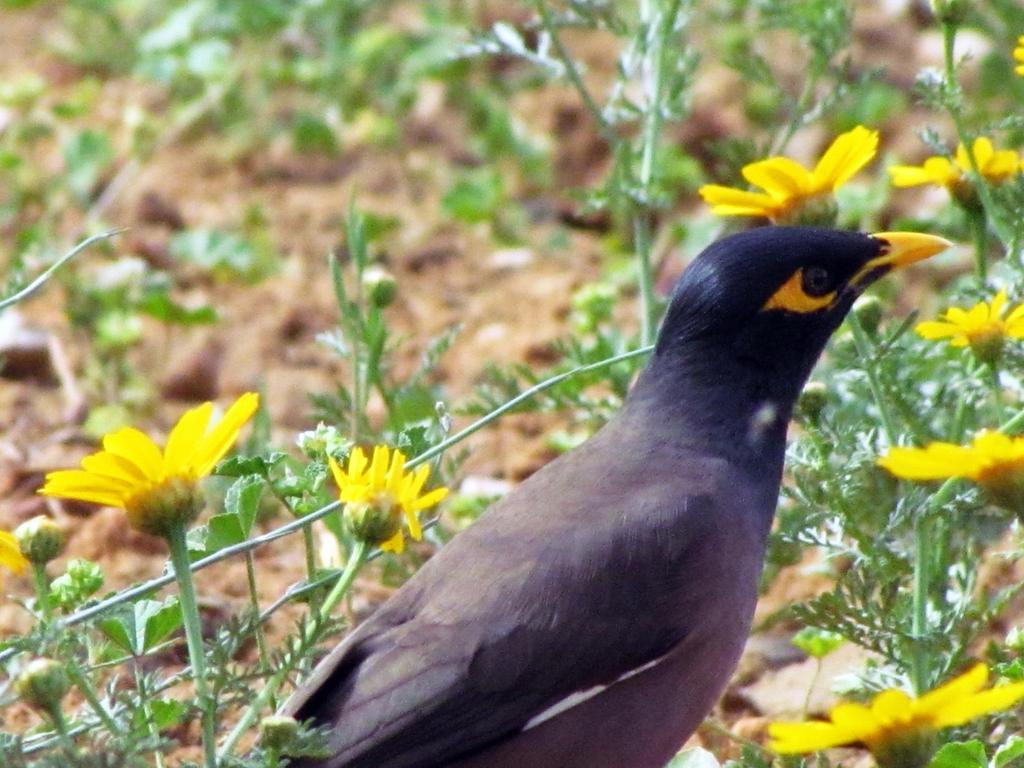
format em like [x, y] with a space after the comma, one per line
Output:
[591, 618]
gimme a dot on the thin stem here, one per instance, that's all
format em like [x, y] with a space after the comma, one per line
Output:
[84, 684]
[36, 284]
[147, 712]
[659, 25]
[573, 73]
[356, 560]
[860, 339]
[984, 193]
[920, 662]
[194, 638]
[997, 391]
[60, 724]
[309, 546]
[979, 229]
[254, 603]
[42, 585]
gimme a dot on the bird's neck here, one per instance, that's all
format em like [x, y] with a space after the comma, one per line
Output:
[723, 404]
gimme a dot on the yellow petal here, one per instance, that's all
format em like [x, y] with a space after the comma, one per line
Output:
[935, 329]
[137, 447]
[340, 478]
[412, 521]
[395, 544]
[908, 176]
[800, 738]
[10, 553]
[972, 681]
[849, 153]
[964, 710]
[428, 500]
[115, 468]
[396, 472]
[379, 467]
[85, 486]
[356, 463]
[780, 177]
[936, 462]
[184, 439]
[728, 201]
[891, 707]
[212, 447]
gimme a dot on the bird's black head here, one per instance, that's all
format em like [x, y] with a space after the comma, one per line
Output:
[752, 313]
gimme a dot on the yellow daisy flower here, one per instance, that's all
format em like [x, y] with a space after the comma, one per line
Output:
[378, 493]
[897, 727]
[10, 553]
[158, 489]
[790, 190]
[993, 460]
[1018, 54]
[995, 166]
[982, 327]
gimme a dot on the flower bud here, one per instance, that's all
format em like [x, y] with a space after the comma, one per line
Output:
[987, 347]
[159, 511]
[40, 539]
[868, 310]
[277, 732]
[373, 523]
[818, 211]
[949, 11]
[379, 285]
[812, 401]
[43, 684]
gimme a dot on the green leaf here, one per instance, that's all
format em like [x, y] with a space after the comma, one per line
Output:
[239, 466]
[960, 754]
[167, 712]
[161, 306]
[1008, 752]
[143, 625]
[243, 501]
[86, 155]
[817, 642]
[310, 134]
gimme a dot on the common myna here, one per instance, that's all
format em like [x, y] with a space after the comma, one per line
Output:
[592, 617]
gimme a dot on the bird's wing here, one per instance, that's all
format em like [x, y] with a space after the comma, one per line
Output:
[537, 602]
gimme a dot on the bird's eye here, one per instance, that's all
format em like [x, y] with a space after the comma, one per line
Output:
[816, 281]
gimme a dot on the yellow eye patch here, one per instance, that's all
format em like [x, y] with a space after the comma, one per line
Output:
[792, 297]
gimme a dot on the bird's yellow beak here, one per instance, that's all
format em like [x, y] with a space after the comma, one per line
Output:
[900, 249]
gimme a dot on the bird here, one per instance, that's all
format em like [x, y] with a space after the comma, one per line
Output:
[592, 617]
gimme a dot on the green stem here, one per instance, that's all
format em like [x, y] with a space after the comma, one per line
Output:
[147, 712]
[979, 229]
[984, 193]
[573, 73]
[42, 585]
[356, 560]
[194, 638]
[659, 23]
[997, 391]
[84, 684]
[60, 724]
[309, 545]
[860, 339]
[920, 662]
[254, 604]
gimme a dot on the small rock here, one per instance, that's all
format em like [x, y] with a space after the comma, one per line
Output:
[197, 376]
[24, 350]
[512, 258]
